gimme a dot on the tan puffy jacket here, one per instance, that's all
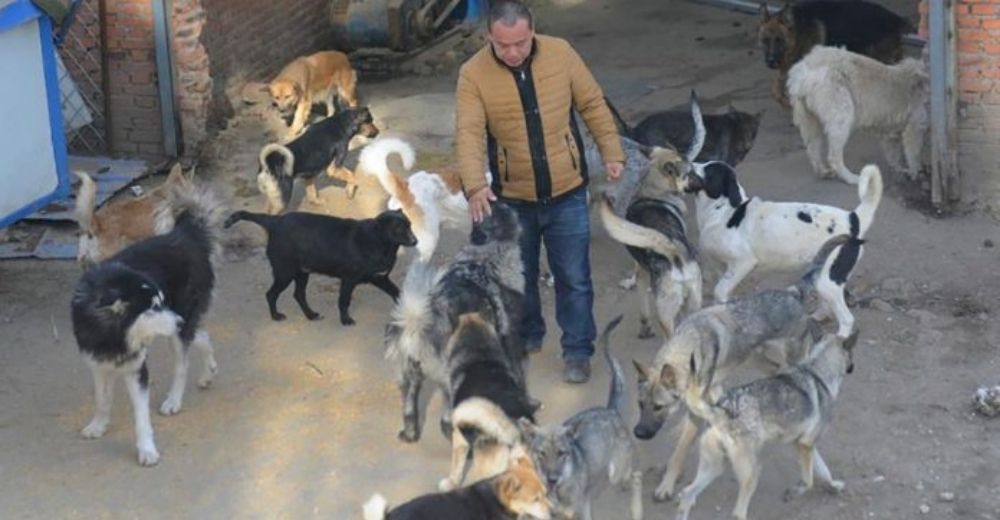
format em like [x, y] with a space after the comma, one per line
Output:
[494, 114]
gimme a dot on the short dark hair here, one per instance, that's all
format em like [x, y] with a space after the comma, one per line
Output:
[508, 12]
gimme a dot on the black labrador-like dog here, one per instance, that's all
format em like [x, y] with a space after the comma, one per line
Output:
[728, 137]
[355, 251]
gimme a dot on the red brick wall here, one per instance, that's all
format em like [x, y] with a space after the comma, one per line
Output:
[978, 24]
[217, 46]
[133, 102]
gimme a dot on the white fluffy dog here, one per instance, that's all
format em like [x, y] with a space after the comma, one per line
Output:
[745, 233]
[835, 92]
[428, 199]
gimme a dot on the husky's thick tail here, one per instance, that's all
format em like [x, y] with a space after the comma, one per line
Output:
[262, 220]
[616, 395]
[623, 127]
[632, 234]
[820, 266]
[376, 508]
[86, 202]
[411, 318]
[192, 207]
[870, 193]
[480, 418]
[277, 160]
[698, 141]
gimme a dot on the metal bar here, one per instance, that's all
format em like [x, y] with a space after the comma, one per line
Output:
[165, 76]
[944, 170]
[752, 7]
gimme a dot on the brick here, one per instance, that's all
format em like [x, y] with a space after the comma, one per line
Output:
[975, 85]
[985, 9]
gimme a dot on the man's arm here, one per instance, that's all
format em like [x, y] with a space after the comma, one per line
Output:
[588, 99]
[470, 135]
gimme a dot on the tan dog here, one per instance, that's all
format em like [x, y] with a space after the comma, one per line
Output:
[120, 223]
[311, 79]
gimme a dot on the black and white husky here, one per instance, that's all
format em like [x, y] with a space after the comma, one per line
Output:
[161, 286]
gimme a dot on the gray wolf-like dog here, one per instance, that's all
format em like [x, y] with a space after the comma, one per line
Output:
[770, 326]
[835, 92]
[579, 458]
[793, 407]
[485, 277]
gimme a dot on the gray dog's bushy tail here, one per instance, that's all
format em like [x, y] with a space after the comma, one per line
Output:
[406, 334]
[818, 264]
[616, 395]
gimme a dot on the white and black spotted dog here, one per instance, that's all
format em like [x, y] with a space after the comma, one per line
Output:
[161, 286]
[749, 233]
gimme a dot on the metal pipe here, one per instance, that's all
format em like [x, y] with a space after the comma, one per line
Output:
[944, 108]
[165, 76]
[751, 7]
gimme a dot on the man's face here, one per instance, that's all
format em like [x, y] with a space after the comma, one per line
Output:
[512, 43]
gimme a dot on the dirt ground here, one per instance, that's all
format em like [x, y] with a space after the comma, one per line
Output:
[302, 419]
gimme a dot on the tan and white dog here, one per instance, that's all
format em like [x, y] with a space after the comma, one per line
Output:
[429, 199]
[316, 78]
[120, 223]
[835, 92]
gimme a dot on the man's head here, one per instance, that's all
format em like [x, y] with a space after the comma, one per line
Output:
[511, 32]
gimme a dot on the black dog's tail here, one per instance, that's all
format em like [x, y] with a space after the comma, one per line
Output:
[195, 208]
[616, 395]
[262, 220]
[278, 161]
[623, 127]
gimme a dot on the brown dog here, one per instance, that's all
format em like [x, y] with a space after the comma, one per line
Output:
[120, 223]
[312, 79]
[861, 26]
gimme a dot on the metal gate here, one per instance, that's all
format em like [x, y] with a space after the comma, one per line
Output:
[82, 79]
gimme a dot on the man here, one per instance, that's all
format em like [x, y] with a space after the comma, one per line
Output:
[514, 104]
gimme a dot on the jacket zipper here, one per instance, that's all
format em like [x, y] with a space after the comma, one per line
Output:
[569, 148]
[506, 166]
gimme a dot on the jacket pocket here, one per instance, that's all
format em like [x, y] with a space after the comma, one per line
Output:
[505, 164]
[571, 148]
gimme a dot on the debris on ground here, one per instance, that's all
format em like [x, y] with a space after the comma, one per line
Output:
[987, 401]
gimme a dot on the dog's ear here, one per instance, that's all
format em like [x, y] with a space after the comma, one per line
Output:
[668, 376]
[508, 487]
[111, 301]
[527, 428]
[815, 330]
[641, 370]
[645, 150]
[786, 14]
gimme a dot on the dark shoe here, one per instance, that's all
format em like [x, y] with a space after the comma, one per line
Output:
[577, 371]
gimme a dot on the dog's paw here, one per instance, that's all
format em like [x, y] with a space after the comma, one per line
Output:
[445, 485]
[794, 492]
[347, 321]
[148, 456]
[208, 375]
[315, 316]
[663, 494]
[408, 435]
[835, 486]
[94, 430]
[277, 316]
[170, 406]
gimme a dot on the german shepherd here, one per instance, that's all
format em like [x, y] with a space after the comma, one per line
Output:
[861, 26]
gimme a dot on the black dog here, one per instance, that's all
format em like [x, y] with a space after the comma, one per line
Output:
[161, 286]
[323, 147]
[355, 251]
[728, 137]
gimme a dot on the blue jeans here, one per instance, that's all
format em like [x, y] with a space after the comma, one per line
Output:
[565, 228]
